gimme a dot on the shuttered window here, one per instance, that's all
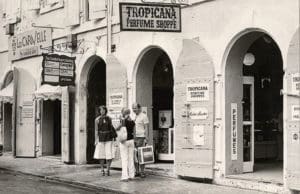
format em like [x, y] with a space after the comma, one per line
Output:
[12, 10]
[73, 12]
[97, 9]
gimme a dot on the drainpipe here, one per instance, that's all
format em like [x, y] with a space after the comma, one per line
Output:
[109, 27]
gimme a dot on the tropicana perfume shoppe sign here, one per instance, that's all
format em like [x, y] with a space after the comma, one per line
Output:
[150, 17]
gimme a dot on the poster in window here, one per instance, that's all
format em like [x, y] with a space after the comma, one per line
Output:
[165, 118]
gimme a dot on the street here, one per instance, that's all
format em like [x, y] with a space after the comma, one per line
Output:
[17, 183]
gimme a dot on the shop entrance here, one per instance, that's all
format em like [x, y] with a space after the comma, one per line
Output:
[51, 128]
[154, 91]
[254, 79]
[7, 127]
[96, 96]
[6, 100]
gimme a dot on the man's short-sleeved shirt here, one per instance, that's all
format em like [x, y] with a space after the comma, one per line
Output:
[140, 121]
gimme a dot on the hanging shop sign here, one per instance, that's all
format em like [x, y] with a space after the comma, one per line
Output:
[197, 92]
[150, 17]
[296, 83]
[198, 135]
[58, 70]
[233, 131]
[29, 43]
[200, 113]
[296, 113]
[116, 100]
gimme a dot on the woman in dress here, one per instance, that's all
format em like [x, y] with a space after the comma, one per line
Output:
[104, 134]
[127, 146]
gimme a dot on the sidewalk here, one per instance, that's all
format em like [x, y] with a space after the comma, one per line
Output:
[89, 176]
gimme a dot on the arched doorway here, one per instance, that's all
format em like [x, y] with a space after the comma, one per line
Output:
[6, 96]
[95, 96]
[154, 91]
[254, 106]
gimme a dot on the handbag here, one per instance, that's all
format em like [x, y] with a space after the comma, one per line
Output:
[145, 155]
[122, 134]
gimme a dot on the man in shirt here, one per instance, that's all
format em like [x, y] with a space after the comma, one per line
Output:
[141, 134]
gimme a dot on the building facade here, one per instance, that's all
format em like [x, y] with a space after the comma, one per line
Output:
[220, 86]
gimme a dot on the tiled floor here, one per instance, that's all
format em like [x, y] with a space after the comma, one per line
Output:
[264, 172]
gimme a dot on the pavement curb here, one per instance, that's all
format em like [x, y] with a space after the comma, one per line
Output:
[67, 182]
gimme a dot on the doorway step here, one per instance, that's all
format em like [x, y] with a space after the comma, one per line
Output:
[238, 181]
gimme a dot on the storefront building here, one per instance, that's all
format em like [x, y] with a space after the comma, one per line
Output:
[219, 81]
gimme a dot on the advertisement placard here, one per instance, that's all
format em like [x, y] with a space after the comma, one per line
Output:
[58, 70]
[29, 43]
[197, 92]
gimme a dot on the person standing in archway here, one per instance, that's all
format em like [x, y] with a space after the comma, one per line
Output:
[141, 135]
[104, 134]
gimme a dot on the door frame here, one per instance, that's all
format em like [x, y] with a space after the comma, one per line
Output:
[248, 166]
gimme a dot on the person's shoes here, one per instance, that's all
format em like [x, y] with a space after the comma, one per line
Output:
[124, 180]
[137, 174]
[103, 172]
[143, 175]
[108, 173]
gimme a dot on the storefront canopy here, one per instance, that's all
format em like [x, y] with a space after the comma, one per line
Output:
[6, 94]
[48, 92]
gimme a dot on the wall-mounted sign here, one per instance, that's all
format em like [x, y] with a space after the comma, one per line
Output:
[165, 118]
[296, 113]
[197, 92]
[58, 70]
[233, 131]
[27, 109]
[198, 135]
[29, 43]
[296, 83]
[116, 100]
[198, 113]
[150, 17]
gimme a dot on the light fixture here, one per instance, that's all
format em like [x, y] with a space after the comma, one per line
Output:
[249, 59]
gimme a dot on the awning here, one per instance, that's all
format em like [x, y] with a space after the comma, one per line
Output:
[48, 92]
[6, 94]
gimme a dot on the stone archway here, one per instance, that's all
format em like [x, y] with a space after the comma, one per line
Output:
[239, 133]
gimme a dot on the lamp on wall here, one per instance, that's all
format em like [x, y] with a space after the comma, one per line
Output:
[249, 59]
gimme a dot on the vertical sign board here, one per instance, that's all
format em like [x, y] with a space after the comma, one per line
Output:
[150, 17]
[65, 125]
[233, 131]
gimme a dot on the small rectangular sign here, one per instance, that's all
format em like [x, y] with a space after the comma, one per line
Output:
[295, 112]
[234, 131]
[58, 70]
[150, 17]
[116, 100]
[197, 92]
[198, 135]
[296, 83]
[200, 113]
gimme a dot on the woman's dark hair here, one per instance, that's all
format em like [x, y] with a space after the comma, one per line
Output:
[104, 108]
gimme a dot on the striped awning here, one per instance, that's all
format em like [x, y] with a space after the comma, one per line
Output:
[48, 92]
